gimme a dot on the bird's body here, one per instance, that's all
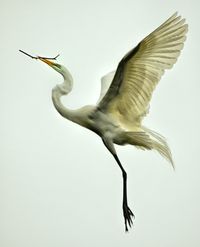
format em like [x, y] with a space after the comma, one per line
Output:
[125, 96]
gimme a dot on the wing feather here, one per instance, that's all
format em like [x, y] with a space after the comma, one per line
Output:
[105, 84]
[138, 73]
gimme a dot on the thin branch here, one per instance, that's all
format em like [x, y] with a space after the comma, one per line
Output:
[28, 54]
[38, 57]
[50, 58]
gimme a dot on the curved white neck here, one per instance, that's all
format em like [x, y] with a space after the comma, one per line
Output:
[63, 89]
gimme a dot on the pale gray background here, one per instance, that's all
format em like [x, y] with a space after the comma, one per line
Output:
[59, 186]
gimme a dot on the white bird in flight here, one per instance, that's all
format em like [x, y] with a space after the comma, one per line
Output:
[125, 96]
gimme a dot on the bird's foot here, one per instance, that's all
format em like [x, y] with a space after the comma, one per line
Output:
[128, 216]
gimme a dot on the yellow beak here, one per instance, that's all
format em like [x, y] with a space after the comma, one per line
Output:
[50, 63]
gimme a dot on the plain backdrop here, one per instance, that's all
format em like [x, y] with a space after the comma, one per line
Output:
[59, 186]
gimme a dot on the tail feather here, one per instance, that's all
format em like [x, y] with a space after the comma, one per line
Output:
[160, 144]
[149, 139]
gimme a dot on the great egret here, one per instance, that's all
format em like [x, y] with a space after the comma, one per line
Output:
[125, 96]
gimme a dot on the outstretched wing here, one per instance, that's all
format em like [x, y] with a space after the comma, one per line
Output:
[127, 99]
[105, 84]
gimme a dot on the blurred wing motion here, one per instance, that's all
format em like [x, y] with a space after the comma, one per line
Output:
[127, 99]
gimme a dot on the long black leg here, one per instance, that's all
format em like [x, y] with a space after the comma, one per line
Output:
[128, 214]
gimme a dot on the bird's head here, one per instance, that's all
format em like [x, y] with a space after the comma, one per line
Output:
[58, 67]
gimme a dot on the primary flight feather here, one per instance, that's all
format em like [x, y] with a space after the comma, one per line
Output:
[141, 69]
[125, 96]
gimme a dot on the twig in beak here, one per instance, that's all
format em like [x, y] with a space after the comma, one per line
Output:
[38, 57]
